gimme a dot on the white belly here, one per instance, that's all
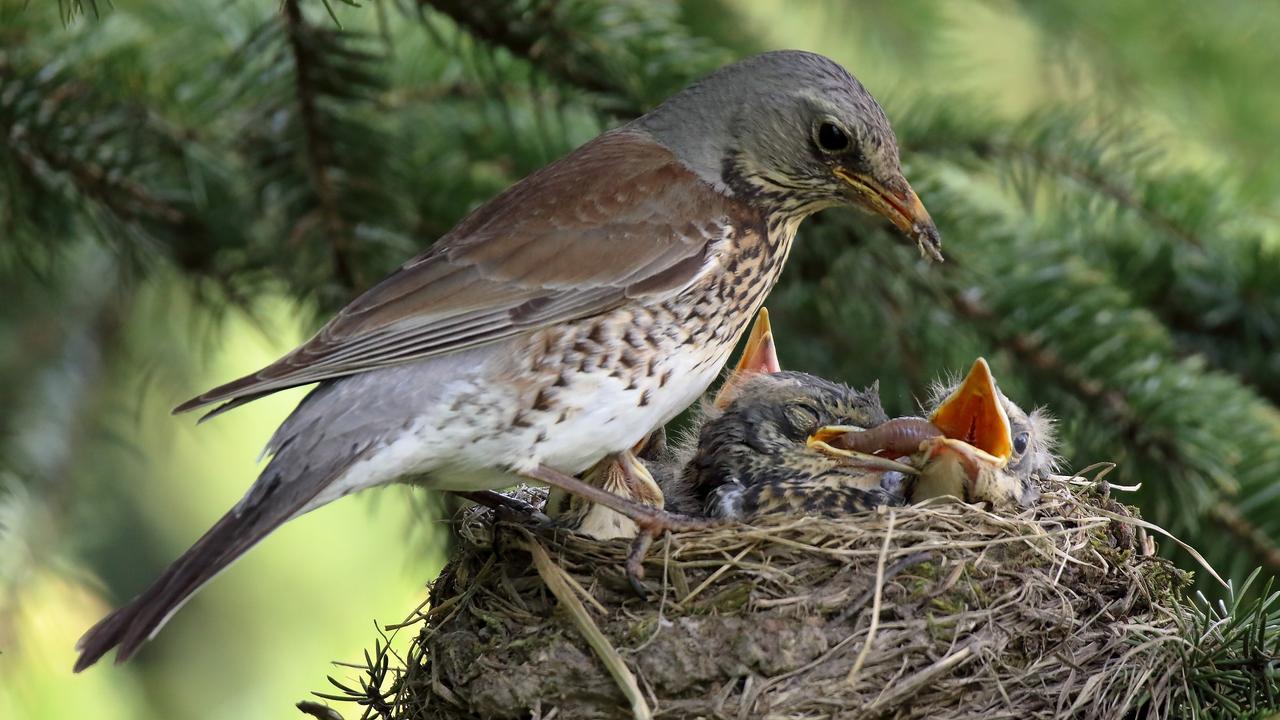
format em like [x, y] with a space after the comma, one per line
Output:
[609, 418]
[464, 439]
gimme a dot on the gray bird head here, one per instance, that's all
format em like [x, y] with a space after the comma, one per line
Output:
[761, 434]
[793, 133]
[777, 412]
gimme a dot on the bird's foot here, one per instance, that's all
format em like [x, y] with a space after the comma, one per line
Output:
[660, 522]
[650, 521]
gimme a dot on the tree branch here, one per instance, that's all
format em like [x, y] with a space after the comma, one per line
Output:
[318, 149]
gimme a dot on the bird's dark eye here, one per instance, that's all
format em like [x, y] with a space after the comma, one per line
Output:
[831, 138]
[1020, 442]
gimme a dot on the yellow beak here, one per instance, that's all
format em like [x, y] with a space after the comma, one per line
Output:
[898, 203]
[759, 356]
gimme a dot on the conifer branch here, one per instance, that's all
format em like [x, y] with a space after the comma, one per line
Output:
[317, 147]
[535, 37]
[628, 55]
[75, 171]
[1186, 247]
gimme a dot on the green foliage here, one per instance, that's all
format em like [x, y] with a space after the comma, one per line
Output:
[1183, 244]
[76, 159]
[1232, 653]
[629, 56]
[319, 162]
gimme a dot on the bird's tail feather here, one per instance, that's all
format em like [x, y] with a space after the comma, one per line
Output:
[240, 529]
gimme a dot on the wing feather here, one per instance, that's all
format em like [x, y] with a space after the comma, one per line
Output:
[619, 219]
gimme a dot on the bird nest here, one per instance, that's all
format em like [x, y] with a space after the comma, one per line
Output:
[942, 610]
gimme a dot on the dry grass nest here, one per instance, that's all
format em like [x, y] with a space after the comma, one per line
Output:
[941, 610]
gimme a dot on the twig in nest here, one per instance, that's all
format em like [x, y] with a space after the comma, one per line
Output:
[554, 576]
[1152, 526]
[318, 710]
[875, 604]
[889, 574]
[908, 686]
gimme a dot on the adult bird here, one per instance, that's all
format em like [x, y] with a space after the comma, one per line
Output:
[563, 320]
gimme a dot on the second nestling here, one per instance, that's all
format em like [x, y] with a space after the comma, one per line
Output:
[787, 442]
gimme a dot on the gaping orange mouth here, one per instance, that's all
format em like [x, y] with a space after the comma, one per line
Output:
[973, 414]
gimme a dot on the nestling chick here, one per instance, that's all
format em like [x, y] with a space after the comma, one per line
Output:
[752, 453]
[777, 441]
[977, 445]
[991, 449]
[753, 457]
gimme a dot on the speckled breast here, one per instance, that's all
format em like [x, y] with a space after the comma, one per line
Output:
[599, 385]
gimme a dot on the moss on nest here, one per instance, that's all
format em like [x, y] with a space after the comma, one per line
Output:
[937, 611]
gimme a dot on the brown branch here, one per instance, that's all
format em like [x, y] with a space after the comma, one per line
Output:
[125, 198]
[91, 180]
[1033, 352]
[1121, 196]
[538, 40]
[1078, 172]
[318, 150]
[1257, 541]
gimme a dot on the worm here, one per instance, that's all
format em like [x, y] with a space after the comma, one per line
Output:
[899, 436]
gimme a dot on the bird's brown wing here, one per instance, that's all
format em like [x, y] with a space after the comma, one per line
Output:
[620, 218]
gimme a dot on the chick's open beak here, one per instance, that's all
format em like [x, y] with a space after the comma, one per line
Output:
[973, 414]
[759, 355]
[896, 201]
[970, 460]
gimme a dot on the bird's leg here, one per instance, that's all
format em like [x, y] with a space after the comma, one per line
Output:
[496, 500]
[635, 561]
[641, 485]
[604, 474]
[650, 521]
[620, 473]
[639, 513]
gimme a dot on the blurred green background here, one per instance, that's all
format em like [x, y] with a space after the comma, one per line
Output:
[1105, 176]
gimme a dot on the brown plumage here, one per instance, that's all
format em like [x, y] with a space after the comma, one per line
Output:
[540, 254]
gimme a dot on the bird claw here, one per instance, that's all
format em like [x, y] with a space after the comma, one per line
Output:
[656, 523]
[635, 563]
[649, 520]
